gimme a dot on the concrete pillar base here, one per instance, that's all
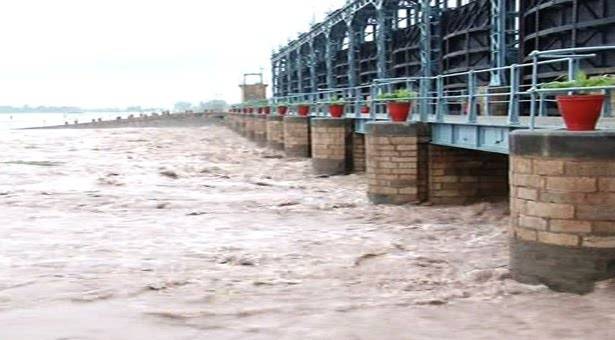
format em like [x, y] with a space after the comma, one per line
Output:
[275, 132]
[396, 158]
[332, 146]
[562, 216]
[297, 137]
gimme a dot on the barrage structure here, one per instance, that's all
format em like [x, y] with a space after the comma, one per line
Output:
[485, 126]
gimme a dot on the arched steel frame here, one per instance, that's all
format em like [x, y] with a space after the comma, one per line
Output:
[321, 53]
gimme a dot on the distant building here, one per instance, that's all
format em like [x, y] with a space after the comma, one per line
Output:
[253, 91]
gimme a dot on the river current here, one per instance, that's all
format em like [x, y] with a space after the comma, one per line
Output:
[195, 233]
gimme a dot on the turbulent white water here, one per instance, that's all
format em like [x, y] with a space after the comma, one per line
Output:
[195, 233]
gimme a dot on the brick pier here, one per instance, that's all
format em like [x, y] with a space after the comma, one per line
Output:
[260, 130]
[249, 128]
[332, 146]
[396, 157]
[275, 132]
[297, 141]
[358, 153]
[563, 208]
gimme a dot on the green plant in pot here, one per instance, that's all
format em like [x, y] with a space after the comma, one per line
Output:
[336, 107]
[581, 109]
[399, 104]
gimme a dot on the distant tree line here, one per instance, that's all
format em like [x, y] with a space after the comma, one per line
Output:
[216, 105]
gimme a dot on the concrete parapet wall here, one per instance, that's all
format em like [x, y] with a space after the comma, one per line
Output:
[563, 208]
[332, 145]
[460, 176]
[297, 139]
[396, 162]
[275, 132]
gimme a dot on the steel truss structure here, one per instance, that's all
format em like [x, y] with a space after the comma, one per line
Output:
[477, 65]
[375, 39]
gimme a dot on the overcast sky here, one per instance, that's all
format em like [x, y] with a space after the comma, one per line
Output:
[96, 53]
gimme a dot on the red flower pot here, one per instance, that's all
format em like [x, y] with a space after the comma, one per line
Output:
[336, 110]
[303, 110]
[365, 109]
[399, 112]
[251, 110]
[267, 110]
[260, 110]
[282, 110]
[581, 113]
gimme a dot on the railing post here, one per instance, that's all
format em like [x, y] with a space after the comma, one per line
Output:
[372, 105]
[424, 93]
[440, 101]
[513, 105]
[472, 116]
[533, 90]
[486, 100]
[607, 108]
[542, 110]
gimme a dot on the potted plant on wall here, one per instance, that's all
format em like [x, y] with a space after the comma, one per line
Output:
[282, 108]
[399, 104]
[303, 109]
[336, 107]
[581, 110]
[264, 107]
[365, 109]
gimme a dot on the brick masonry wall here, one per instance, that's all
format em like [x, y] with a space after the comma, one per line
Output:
[332, 146]
[459, 176]
[358, 152]
[236, 122]
[275, 132]
[297, 139]
[563, 208]
[396, 163]
[249, 127]
[565, 202]
[260, 130]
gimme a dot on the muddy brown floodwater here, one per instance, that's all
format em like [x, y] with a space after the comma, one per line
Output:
[195, 233]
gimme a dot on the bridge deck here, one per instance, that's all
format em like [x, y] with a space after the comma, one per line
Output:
[489, 133]
[524, 122]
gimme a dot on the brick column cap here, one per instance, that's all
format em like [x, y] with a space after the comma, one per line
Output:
[563, 144]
